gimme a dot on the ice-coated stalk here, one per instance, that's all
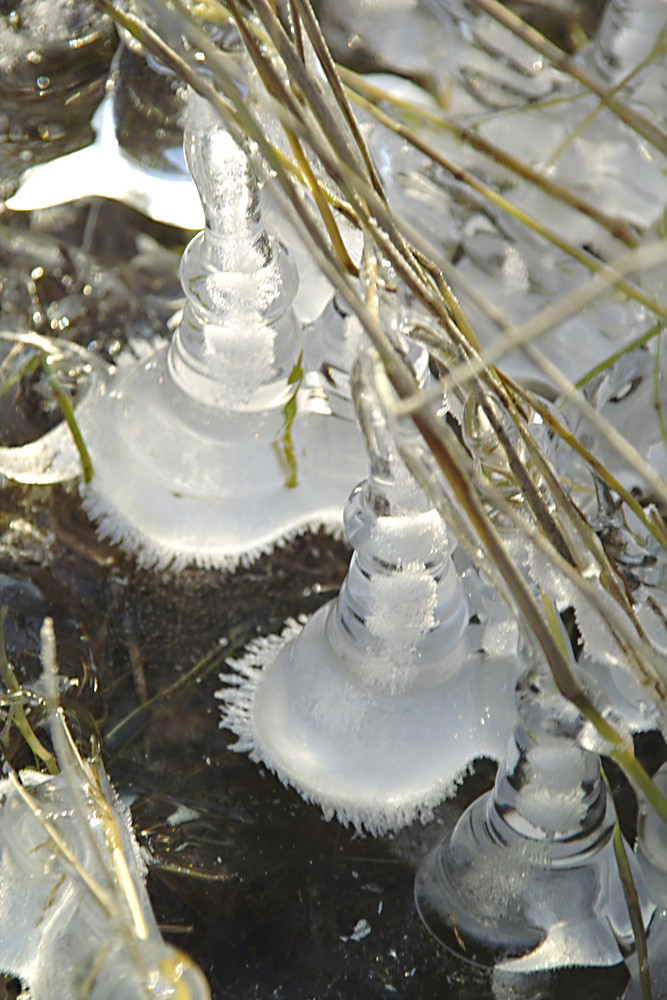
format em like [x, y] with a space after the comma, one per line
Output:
[528, 879]
[401, 607]
[492, 462]
[238, 340]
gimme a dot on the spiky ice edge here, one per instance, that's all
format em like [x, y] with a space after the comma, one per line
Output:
[237, 715]
[119, 530]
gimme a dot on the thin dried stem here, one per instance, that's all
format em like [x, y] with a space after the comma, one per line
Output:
[359, 86]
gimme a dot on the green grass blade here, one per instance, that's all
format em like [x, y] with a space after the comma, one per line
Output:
[67, 411]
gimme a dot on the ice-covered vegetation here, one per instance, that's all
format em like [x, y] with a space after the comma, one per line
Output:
[479, 209]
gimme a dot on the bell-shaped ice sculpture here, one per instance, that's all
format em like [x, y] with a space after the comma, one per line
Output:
[528, 879]
[208, 452]
[376, 706]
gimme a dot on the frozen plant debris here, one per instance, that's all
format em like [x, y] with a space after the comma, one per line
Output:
[75, 918]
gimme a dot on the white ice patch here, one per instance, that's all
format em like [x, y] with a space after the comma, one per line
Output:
[401, 612]
[248, 349]
[361, 930]
[182, 815]
[411, 537]
[402, 606]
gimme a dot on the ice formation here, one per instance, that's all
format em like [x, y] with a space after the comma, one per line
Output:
[330, 347]
[107, 169]
[652, 842]
[652, 854]
[136, 157]
[632, 396]
[628, 39]
[528, 879]
[54, 457]
[604, 658]
[76, 921]
[502, 91]
[494, 475]
[376, 706]
[212, 451]
[208, 452]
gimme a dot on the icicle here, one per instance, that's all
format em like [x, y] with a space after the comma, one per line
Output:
[528, 880]
[208, 452]
[376, 706]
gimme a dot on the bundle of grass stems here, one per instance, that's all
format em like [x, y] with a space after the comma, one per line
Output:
[313, 155]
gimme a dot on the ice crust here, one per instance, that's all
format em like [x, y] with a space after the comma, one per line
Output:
[55, 934]
[373, 760]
